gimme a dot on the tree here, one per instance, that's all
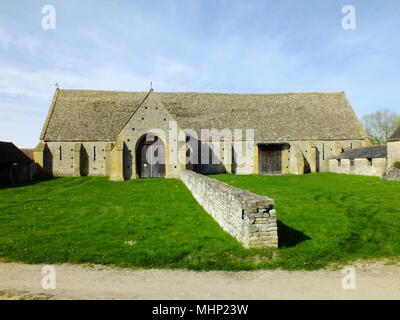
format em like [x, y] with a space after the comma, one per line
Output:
[380, 125]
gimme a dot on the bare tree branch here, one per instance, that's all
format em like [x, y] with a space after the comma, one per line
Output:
[380, 125]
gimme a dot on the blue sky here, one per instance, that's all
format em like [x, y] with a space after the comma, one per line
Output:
[194, 45]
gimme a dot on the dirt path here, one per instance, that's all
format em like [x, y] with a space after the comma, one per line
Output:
[23, 281]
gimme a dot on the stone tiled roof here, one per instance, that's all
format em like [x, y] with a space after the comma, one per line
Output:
[79, 115]
[275, 117]
[395, 136]
[362, 153]
[86, 115]
[10, 153]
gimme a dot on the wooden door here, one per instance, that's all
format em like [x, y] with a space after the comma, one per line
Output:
[151, 158]
[270, 159]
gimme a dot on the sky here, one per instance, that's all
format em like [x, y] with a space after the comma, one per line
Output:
[232, 46]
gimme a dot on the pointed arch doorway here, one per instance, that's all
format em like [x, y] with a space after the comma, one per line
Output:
[150, 157]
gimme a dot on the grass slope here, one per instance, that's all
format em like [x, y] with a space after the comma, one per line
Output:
[156, 223]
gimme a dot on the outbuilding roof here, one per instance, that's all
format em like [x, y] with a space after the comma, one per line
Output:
[10, 153]
[364, 153]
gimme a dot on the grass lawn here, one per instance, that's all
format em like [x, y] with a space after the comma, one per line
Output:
[328, 217]
[156, 223]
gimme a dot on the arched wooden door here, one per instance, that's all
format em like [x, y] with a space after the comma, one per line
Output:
[150, 157]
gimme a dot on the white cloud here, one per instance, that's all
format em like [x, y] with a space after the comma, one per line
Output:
[10, 39]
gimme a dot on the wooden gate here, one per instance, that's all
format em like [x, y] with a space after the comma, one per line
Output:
[150, 157]
[270, 159]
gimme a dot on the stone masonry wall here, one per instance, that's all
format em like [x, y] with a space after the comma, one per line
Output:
[393, 174]
[377, 166]
[248, 217]
[65, 160]
[393, 153]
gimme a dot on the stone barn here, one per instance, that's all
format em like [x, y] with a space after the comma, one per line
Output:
[15, 166]
[127, 135]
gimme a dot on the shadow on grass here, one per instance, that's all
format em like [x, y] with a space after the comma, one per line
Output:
[25, 183]
[289, 237]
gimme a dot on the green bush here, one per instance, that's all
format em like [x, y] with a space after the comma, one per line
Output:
[397, 164]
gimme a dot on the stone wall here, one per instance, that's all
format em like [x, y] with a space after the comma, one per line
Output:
[72, 158]
[118, 160]
[393, 174]
[393, 153]
[373, 167]
[248, 217]
[316, 154]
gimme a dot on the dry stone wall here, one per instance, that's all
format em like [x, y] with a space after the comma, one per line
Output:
[393, 174]
[248, 217]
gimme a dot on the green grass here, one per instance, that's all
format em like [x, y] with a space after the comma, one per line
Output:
[156, 223]
[345, 217]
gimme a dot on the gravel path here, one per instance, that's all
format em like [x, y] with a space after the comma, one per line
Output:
[23, 281]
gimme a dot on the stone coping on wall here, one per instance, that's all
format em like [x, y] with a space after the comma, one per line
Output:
[248, 217]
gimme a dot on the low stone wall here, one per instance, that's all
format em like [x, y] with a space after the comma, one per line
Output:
[377, 167]
[248, 217]
[393, 174]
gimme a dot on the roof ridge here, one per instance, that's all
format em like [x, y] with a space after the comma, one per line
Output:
[235, 93]
[202, 92]
[95, 90]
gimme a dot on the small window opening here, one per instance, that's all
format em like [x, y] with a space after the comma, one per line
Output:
[369, 162]
[339, 163]
[351, 162]
[60, 152]
[94, 153]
